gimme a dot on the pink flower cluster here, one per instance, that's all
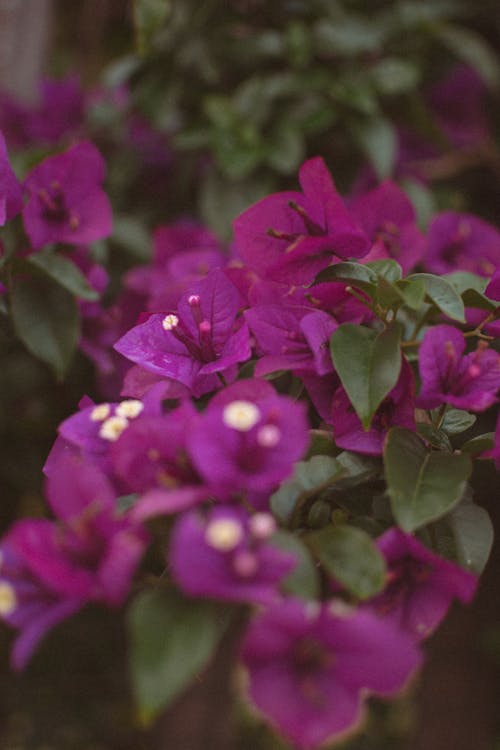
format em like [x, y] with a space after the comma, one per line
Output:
[231, 369]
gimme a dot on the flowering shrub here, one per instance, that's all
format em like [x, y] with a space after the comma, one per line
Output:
[290, 440]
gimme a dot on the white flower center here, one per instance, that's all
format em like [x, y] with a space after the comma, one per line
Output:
[112, 428]
[224, 534]
[268, 436]
[241, 415]
[8, 599]
[170, 321]
[129, 409]
[100, 413]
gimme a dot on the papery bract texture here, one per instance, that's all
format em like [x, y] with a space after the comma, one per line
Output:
[201, 340]
[421, 585]
[291, 236]
[467, 381]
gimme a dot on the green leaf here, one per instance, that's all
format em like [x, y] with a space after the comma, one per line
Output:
[286, 149]
[303, 581]
[386, 268]
[423, 201]
[441, 293]
[321, 443]
[456, 421]
[220, 200]
[63, 272]
[357, 468]
[393, 75]
[422, 485]
[132, 235]
[388, 294]
[46, 319]
[368, 364]
[309, 478]
[471, 289]
[473, 534]
[377, 137]
[355, 274]
[480, 443]
[149, 17]
[171, 641]
[434, 436]
[473, 49]
[413, 292]
[347, 36]
[351, 557]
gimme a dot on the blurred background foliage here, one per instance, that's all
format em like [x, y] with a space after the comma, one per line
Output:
[204, 107]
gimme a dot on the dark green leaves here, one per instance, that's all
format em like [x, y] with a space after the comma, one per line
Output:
[356, 274]
[149, 16]
[303, 581]
[377, 138]
[473, 535]
[172, 640]
[350, 556]
[422, 485]
[64, 272]
[45, 318]
[368, 364]
[309, 478]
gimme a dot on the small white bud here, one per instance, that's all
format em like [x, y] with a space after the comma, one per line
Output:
[170, 321]
[112, 428]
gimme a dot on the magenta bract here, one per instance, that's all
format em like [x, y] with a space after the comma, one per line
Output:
[11, 200]
[291, 236]
[227, 555]
[311, 666]
[421, 585]
[467, 381]
[199, 341]
[66, 202]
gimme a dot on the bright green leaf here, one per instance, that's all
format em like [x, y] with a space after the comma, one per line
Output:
[423, 485]
[368, 364]
[171, 641]
[351, 558]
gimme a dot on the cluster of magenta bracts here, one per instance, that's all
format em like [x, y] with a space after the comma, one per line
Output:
[202, 435]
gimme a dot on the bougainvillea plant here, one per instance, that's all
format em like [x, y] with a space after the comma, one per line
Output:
[289, 442]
